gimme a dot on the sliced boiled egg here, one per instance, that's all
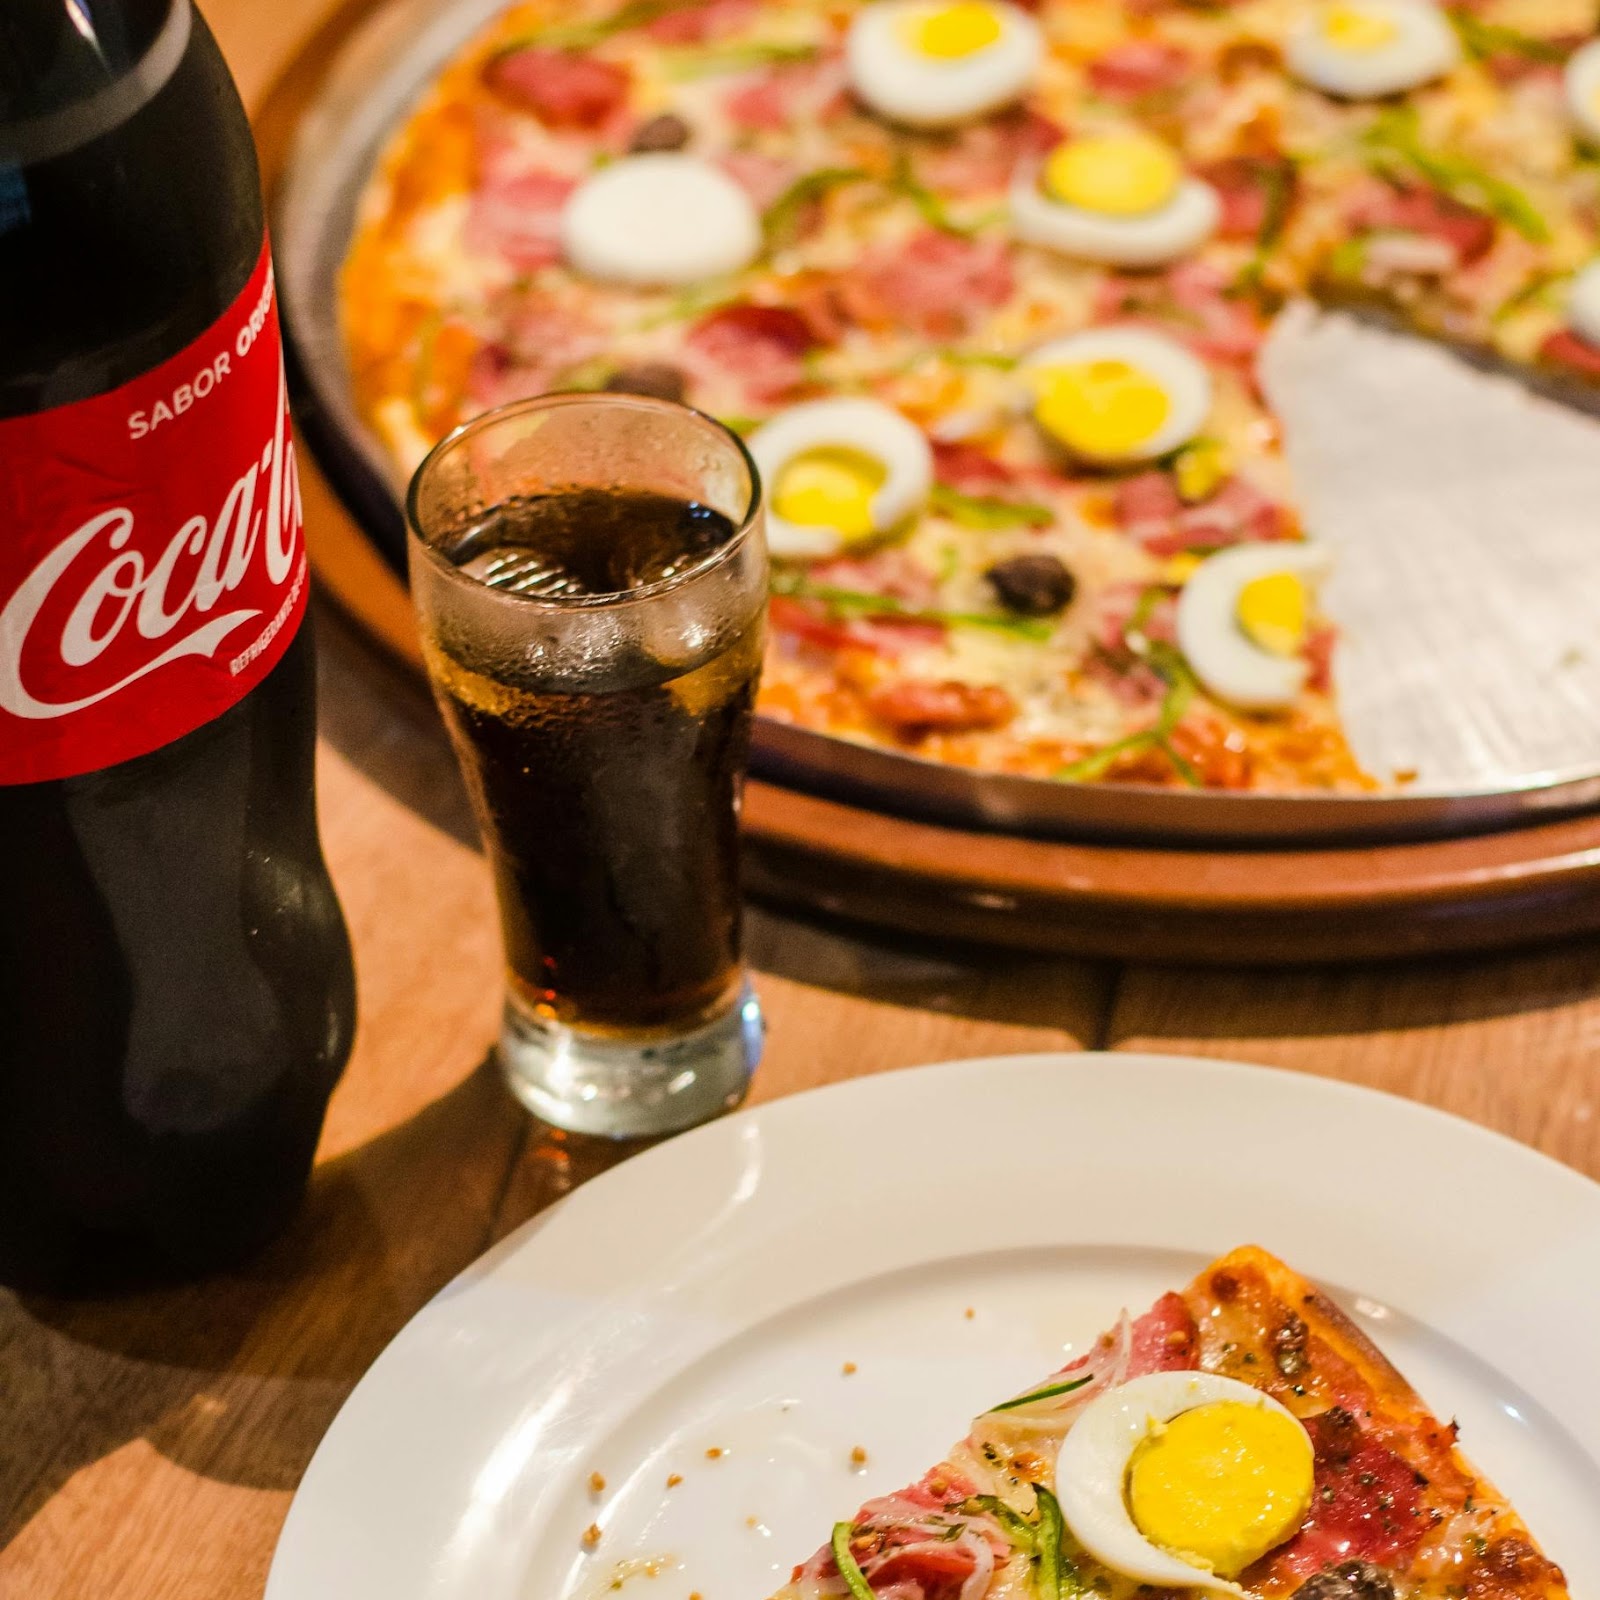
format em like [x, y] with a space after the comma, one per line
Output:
[934, 63]
[1242, 621]
[1120, 197]
[1583, 304]
[1182, 1479]
[1361, 49]
[839, 472]
[1582, 79]
[1117, 394]
[657, 219]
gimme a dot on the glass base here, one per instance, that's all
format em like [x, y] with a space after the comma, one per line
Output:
[631, 1089]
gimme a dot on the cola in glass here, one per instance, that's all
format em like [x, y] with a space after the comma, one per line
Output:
[176, 991]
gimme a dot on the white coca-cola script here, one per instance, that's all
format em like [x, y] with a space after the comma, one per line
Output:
[159, 576]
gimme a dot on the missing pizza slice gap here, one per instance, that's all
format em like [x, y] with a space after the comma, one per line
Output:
[1241, 1437]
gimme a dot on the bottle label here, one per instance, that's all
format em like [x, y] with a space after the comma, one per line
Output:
[152, 555]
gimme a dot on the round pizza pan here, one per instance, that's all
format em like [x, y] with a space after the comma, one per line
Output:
[321, 135]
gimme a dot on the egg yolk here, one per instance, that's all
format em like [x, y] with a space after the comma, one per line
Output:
[1357, 29]
[950, 33]
[1272, 613]
[1116, 174]
[1222, 1484]
[829, 487]
[1100, 408]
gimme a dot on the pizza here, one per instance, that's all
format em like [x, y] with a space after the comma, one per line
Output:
[1242, 1437]
[983, 285]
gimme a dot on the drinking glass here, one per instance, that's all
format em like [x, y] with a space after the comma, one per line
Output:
[590, 574]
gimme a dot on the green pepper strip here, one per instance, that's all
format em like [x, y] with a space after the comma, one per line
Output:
[779, 220]
[1051, 1524]
[1180, 691]
[712, 60]
[1017, 1528]
[1278, 181]
[929, 206]
[1393, 139]
[1047, 1393]
[584, 35]
[849, 1568]
[1490, 39]
[987, 512]
[855, 602]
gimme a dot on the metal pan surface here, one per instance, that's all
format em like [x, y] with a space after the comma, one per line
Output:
[1463, 509]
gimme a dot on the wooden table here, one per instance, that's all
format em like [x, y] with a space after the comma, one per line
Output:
[149, 1446]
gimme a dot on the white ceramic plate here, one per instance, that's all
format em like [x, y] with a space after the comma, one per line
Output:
[706, 1295]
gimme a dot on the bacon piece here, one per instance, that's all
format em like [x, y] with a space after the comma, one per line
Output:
[879, 636]
[763, 346]
[1565, 349]
[1246, 186]
[1367, 1505]
[518, 217]
[562, 88]
[1117, 607]
[1422, 210]
[912, 707]
[699, 24]
[934, 282]
[1148, 509]
[893, 573]
[1139, 67]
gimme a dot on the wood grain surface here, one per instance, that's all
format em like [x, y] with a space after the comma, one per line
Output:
[149, 1445]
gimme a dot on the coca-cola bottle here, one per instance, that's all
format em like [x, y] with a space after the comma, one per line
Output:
[176, 994]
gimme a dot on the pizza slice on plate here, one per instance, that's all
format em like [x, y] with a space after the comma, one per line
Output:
[1241, 1437]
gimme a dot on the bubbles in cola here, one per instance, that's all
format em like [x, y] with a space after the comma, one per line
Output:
[176, 994]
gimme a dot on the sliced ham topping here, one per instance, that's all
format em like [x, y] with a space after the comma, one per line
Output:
[562, 88]
[880, 636]
[1246, 185]
[983, 156]
[1147, 505]
[699, 24]
[775, 98]
[764, 347]
[517, 216]
[1117, 607]
[1192, 302]
[890, 572]
[1139, 67]
[968, 470]
[1421, 210]
[761, 176]
[913, 708]
[540, 344]
[1148, 509]
[1566, 349]
[934, 282]
[1367, 1504]
[1165, 1339]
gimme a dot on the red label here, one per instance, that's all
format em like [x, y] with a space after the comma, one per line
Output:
[152, 560]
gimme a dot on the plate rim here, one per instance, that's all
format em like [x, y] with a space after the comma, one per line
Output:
[292, 1571]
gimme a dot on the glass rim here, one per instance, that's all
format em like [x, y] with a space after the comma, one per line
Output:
[605, 400]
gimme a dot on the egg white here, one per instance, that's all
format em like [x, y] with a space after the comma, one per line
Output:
[867, 427]
[1181, 374]
[663, 218]
[923, 92]
[1426, 47]
[1583, 304]
[1582, 83]
[1150, 239]
[1092, 1469]
[1231, 665]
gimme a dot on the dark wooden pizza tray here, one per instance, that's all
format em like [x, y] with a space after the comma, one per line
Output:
[1276, 903]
